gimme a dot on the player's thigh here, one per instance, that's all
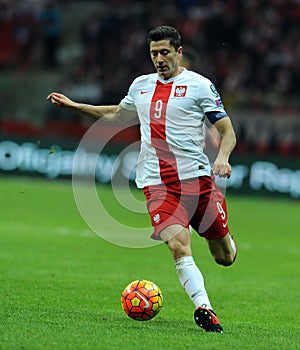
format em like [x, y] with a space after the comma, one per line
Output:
[176, 233]
[166, 211]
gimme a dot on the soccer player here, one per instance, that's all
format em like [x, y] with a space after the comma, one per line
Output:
[174, 173]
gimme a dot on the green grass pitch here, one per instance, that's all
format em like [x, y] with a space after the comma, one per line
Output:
[61, 284]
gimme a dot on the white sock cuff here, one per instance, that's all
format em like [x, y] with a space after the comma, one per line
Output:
[183, 262]
[232, 243]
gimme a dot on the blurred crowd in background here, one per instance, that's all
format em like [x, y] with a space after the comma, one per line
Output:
[92, 50]
[249, 48]
[23, 26]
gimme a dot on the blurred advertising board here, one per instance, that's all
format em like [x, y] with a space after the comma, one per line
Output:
[251, 174]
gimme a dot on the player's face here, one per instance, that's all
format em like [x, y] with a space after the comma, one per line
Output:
[165, 58]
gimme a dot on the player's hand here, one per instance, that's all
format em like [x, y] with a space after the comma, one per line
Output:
[60, 100]
[222, 168]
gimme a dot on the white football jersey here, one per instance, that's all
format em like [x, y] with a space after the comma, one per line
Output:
[172, 121]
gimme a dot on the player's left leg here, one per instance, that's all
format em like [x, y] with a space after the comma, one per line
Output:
[211, 222]
[223, 249]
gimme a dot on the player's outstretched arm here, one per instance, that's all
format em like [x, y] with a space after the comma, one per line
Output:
[112, 113]
[221, 165]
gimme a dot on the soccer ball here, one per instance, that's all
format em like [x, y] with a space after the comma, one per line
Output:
[142, 300]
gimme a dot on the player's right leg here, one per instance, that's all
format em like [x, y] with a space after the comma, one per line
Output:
[178, 239]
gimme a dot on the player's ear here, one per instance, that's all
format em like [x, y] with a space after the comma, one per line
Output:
[179, 50]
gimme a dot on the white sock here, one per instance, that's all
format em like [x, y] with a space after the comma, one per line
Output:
[192, 281]
[233, 245]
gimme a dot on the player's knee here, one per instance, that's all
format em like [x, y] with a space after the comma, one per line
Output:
[178, 249]
[178, 241]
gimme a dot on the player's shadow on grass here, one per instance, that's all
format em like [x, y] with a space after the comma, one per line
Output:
[160, 325]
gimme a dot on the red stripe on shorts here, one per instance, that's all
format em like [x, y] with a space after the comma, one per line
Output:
[166, 158]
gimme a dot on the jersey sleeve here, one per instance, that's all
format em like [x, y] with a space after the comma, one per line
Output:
[128, 101]
[211, 103]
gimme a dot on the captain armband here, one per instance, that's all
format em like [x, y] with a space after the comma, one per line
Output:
[215, 116]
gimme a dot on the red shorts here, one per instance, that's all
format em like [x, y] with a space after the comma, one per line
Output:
[194, 202]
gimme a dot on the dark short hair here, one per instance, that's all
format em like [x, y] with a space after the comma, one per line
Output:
[165, 33]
